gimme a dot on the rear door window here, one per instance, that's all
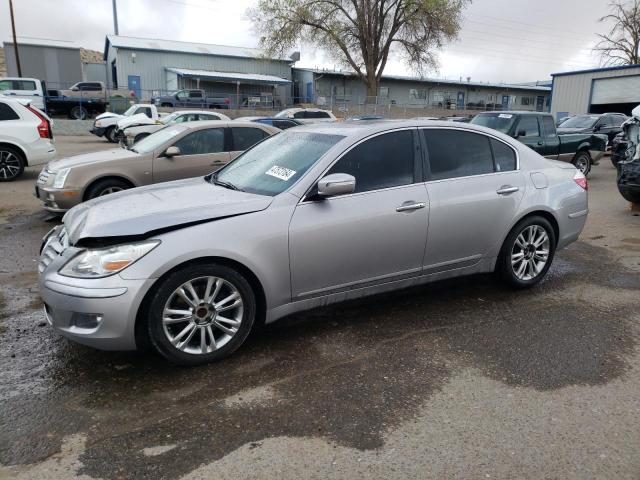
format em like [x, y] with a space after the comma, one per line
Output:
[504, 156]
[549, 126]
[7, 113]
[453, 153]
[382, 162]
[245, 137]
[301, 115]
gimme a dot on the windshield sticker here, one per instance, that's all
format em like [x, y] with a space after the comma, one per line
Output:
[505, 115]
[280, 172]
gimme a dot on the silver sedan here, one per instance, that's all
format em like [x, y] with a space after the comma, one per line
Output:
[311, 216]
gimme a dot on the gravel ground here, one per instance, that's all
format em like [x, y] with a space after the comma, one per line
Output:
[460, 379]
[63, 126]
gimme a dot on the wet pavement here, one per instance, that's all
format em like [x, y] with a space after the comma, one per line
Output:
[463, 379]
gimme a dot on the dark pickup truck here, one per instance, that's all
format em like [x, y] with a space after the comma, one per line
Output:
[191, 98]
[538, 131]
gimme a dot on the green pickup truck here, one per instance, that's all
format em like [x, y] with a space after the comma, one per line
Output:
[538, 131]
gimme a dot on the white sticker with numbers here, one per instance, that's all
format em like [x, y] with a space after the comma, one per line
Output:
[280, 172]
[505, 115]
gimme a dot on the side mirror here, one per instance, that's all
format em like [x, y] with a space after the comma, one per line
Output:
[336, 184]
[521, 133]
[601, 126]
[172, 151]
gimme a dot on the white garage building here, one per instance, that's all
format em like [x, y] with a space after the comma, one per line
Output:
[613, 89]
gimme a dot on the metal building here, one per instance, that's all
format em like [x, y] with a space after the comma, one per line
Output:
[56, 62]
[331, 88]
[150, 67]
[599, 90]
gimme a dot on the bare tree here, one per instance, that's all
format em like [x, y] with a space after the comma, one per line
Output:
[621, 45]
[361, 33]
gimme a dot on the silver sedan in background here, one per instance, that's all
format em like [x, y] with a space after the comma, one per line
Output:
[314, 215]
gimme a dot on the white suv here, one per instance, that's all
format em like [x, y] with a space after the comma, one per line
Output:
[307, 115]
[26, 138]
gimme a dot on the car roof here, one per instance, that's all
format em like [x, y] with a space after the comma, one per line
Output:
[196, 111]
[227, 123]
[357, 129]
[515, 112]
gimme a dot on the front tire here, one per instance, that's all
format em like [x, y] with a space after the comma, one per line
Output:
[527, 252]
[106, 187]
[78, 113]
[110, 134]
[200, 314]
[582, 161]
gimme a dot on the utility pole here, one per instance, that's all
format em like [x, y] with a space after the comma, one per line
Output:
[15, 40]
[115, 17]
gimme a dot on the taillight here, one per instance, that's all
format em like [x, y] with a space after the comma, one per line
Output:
[44, 129]
[581, 180]
[227, 101]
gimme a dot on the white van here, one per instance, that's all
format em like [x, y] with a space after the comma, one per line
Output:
[26, 88]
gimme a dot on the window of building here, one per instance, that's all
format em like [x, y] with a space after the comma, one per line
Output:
[455, 153]
[417, 94]
[383, 92]
[381, 162]
[527, 101]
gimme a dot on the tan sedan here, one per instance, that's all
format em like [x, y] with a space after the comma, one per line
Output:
[175, 152]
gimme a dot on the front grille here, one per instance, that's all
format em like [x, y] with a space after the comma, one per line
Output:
[43, 177]
[57, 243]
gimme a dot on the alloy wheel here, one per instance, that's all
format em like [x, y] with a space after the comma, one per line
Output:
[202, 315]
[530, 252]
[9, 165]
[582, 164]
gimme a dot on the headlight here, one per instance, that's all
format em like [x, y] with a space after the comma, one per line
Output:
[98, 123]
[61, 177]
[106, 261]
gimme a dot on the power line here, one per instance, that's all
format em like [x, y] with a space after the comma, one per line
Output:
[538, 26]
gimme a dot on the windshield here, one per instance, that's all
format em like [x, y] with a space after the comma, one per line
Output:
[153, 141]
[581, 121]
[497, 121]
[275, 164]
[169, 118]
[130, 111]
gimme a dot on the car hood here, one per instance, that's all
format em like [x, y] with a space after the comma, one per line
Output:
[140, 211]
[91, 158]
[566, 130]
[138, 119]
[107, 115]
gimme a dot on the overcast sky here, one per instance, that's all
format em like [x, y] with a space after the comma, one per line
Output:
[500, 40]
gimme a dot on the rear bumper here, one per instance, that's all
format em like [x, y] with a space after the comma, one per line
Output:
[40, 152]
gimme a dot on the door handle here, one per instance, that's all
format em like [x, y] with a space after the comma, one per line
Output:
[506, 190]
[411, 206]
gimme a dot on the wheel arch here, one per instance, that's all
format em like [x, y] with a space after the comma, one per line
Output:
[546, 214]
[261, 300]
[106, 177]
[7, 143]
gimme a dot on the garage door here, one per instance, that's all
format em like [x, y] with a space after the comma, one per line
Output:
[616, 90]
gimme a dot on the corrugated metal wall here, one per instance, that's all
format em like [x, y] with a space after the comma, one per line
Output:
[94, 72]
[571, 93]
[59, 67]
[150, 66]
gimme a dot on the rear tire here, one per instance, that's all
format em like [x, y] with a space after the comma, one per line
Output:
[106, 187]
[12, 163]
[78, 113]
[527, 252]
[204, 325]
[582, 161]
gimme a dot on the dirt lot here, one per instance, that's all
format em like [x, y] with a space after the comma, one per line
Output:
[462, 379]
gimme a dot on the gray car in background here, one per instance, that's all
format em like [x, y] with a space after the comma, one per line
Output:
[314, 215]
